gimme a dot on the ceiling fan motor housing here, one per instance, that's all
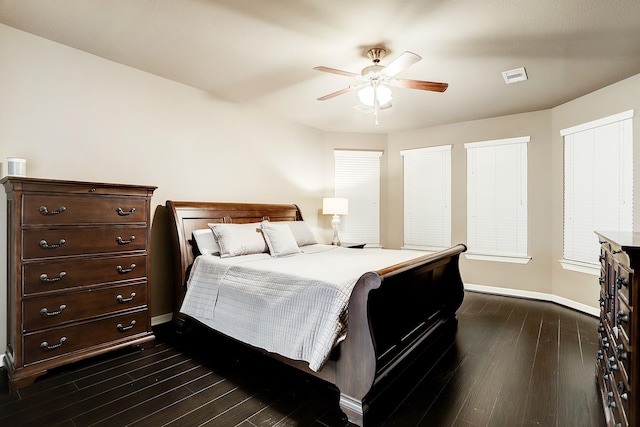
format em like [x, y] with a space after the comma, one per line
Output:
[372, 71]
[376, 54]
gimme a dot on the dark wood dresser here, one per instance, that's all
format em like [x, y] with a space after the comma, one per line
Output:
[77, 272]
[618, 361]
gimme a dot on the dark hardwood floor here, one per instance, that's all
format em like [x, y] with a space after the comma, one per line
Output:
[512, 362]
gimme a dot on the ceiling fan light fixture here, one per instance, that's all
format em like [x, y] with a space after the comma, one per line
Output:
[382, 92]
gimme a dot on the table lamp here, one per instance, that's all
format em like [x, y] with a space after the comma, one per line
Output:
[335, 206]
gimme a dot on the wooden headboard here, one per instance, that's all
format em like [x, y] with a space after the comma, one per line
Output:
[189, 216]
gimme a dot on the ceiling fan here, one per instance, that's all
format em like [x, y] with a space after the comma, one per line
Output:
[376, 80]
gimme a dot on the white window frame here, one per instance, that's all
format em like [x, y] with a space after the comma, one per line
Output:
[598, 187]
[497, 217]
[427, 198]
[357, 178]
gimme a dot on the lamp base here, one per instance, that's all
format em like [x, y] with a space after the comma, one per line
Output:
[335, 223]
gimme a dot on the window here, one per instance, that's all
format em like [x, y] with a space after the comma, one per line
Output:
[427, 198]
[598, 187]
[357, 178]
[497, 200]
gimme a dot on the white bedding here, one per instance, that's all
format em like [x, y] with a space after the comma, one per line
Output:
[295, 306]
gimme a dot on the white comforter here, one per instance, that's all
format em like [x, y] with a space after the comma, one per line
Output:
[295, 306]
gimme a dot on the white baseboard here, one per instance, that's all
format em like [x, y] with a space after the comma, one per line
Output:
[593, 311]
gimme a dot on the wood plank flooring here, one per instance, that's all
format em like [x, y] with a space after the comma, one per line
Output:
[512, 362]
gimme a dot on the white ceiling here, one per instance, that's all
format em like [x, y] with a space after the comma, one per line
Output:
[261, 53]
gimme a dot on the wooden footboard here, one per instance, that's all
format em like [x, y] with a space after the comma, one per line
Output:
[391, 311]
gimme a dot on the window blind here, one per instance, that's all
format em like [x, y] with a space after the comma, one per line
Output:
[497, 197]
[427, 198]
[357, 178]
[598, 184]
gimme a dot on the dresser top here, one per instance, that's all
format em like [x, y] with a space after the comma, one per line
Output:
[11, 182]
[626, 240]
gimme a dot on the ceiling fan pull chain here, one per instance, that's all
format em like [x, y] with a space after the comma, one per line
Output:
[376, 103]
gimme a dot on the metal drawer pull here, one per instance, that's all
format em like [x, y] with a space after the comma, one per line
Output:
[125, 328]
[125, 242]
[125, 270]
[48, 313]
[45, 245]
[622, 316]
[45, 211]
[125, 300]
[48, 279]
[45, 345]
[125, 213]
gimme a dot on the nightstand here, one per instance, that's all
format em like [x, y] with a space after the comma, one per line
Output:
[353, 245]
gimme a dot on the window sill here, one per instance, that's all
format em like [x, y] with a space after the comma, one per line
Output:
[499, 258]
[580, 267]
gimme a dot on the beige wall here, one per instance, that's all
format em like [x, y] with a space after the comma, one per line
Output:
[544, 273]
[622, 96]
[76, 116]
[534, 276]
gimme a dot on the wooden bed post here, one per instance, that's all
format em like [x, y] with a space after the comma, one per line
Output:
[356, 371]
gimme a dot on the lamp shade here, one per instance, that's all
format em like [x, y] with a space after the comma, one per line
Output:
[335, 206]
[382, 92]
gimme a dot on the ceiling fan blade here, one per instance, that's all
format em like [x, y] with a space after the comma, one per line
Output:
[400, 63]
[335, 71]
[336, 93]
[421, 85]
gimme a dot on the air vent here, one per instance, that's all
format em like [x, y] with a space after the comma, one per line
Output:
[513, 76]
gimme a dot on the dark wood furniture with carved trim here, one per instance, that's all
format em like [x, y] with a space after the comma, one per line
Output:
[391, 312]
[77, 272]
[618, 364]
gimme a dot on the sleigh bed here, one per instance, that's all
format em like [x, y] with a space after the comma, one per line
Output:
[391, 312]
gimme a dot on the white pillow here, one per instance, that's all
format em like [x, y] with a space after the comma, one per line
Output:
[279, 239]
[239, 239]
[302, 233]
[206, 242]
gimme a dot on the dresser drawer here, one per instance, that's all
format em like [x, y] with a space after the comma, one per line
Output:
[61, 341]
[41, 313]
[80, 241]
[42, 209]
[51, 276]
